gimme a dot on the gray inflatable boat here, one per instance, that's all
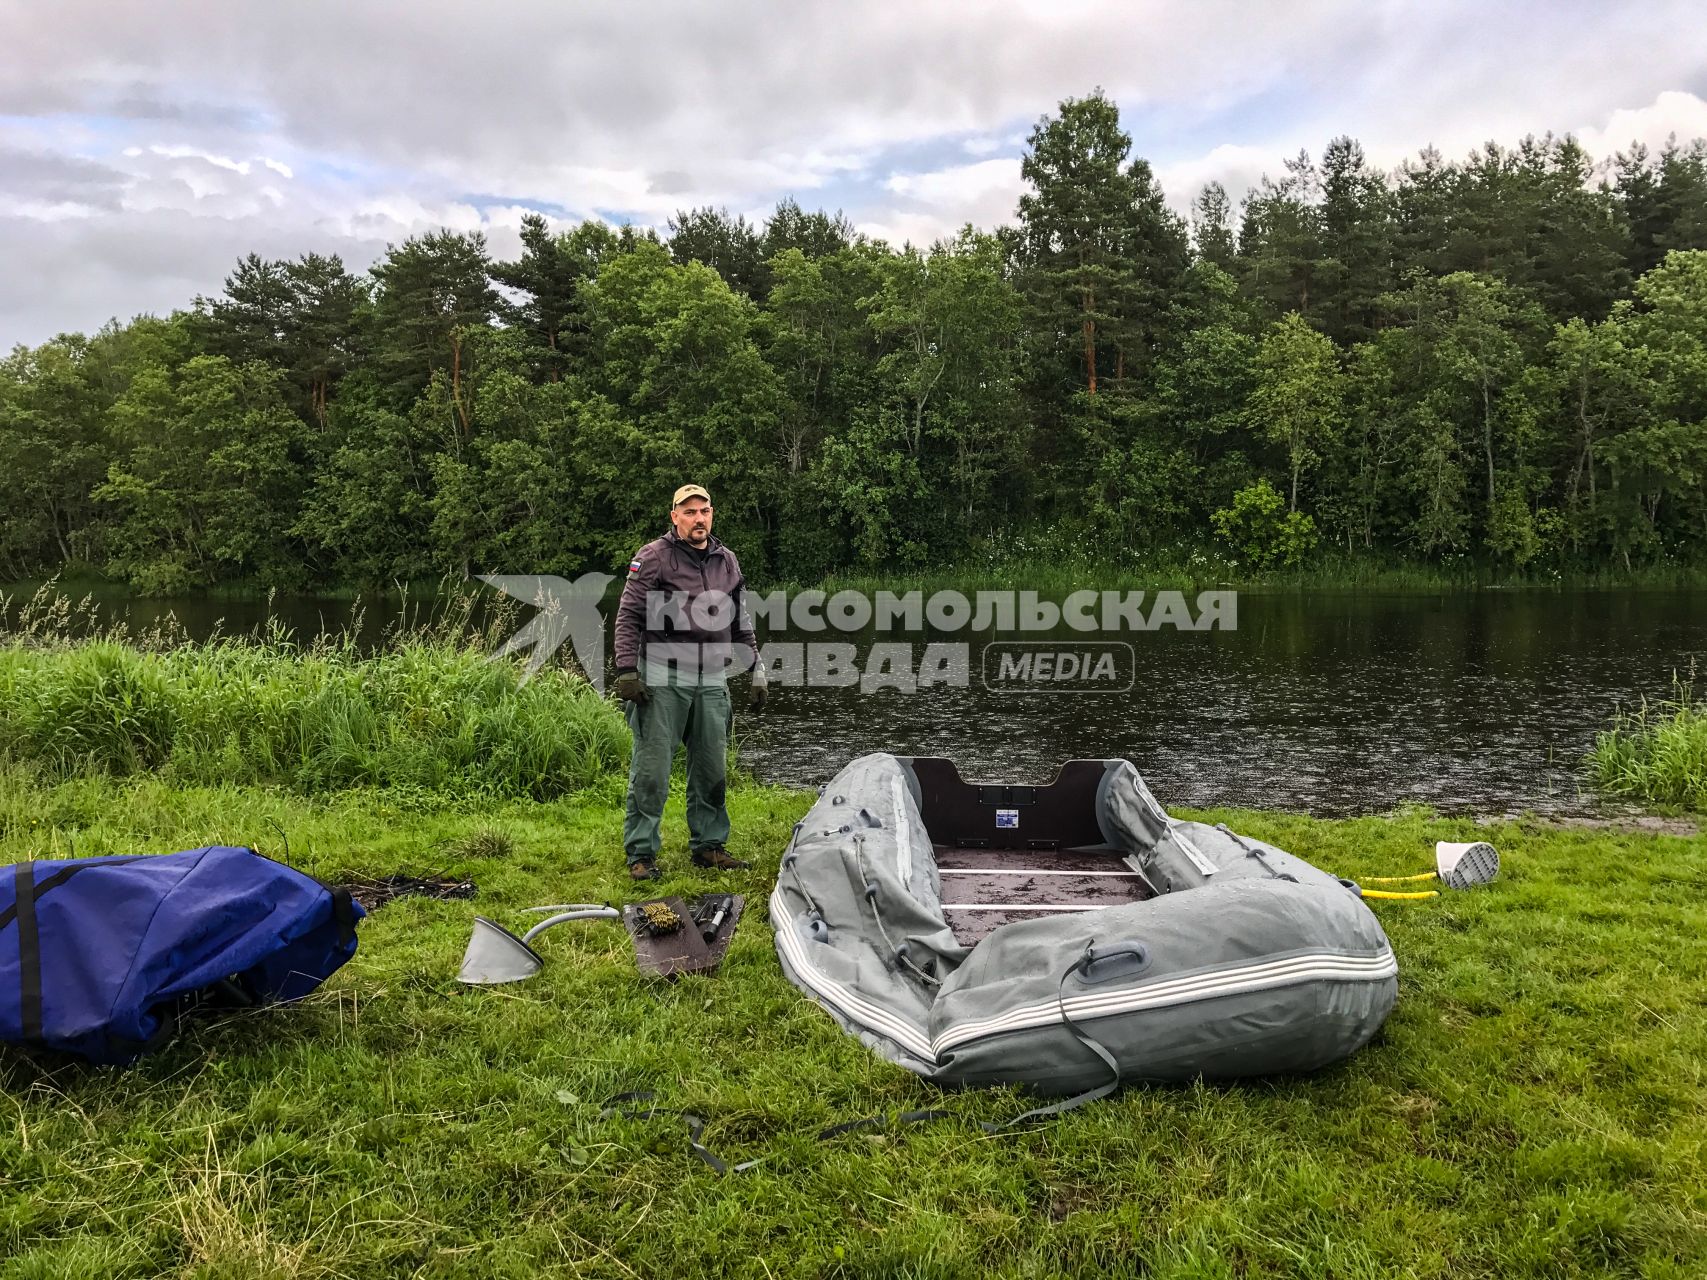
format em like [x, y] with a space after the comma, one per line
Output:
[1068, 936]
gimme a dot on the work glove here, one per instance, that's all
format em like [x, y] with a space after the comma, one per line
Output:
[761, 682]
[630, 688]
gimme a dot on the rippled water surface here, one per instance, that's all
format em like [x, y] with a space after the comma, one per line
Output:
[1327, 703]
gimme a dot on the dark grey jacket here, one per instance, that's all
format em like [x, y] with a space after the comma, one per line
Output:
[667, 570]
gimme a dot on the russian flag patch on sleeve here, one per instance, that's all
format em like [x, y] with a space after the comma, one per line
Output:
[634, 565]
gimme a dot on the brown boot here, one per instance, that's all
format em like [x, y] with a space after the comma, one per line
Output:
[715, 857]
[642, 870]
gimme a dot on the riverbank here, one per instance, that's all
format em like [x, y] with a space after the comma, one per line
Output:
[1026, 561]
[1657, 754]
[1333, 703]
[1055, 570]
[1533, 1107]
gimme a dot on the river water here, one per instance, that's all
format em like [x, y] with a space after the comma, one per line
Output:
[1329, 703]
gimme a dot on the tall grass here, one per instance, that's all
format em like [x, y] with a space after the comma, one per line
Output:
[425, 710]
[1657, 754]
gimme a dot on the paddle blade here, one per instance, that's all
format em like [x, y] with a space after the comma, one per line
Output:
[495, 955]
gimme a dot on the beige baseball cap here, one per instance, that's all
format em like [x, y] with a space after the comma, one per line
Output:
[689, 491]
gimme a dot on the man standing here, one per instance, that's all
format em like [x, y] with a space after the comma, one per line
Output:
[681, 627]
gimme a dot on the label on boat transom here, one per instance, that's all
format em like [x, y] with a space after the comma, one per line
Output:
[1007, 818]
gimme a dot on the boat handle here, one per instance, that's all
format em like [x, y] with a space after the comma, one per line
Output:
[1113, 962]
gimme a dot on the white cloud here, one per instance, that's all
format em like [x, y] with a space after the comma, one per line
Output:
[959, 185]
[1670, 113]
[43, 210]
[1237, 168]
[927, 206]
[134, 123]
[195, 153]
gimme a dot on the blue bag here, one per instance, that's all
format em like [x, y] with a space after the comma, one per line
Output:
[99, 955]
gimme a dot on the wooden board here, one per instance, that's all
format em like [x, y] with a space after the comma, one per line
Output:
[683, 951]
[718, 947]
[983, 889]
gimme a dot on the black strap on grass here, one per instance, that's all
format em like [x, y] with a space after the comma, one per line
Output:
[164, 1031]
[696, 1124]
[851, 1126]
[879, 1122]
[29, 954]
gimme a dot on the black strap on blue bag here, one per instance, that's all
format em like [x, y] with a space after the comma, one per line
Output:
[23, 913]
[54, 881]
[344, 913]
[29, 954]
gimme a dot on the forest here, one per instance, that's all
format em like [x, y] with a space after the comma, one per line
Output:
[1496, 361]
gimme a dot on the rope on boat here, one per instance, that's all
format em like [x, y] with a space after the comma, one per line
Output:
[870, 895]
[1251, 851]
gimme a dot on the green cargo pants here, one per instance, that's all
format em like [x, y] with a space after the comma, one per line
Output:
[697, 714]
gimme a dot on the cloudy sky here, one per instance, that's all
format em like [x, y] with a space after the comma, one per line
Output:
[144, 148]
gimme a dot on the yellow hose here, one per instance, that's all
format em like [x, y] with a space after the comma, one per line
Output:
[1381, 893]
[1427, 875]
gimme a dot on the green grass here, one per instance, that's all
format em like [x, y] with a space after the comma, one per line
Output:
[1657, 755]
[1535, 1107]
[426, 713]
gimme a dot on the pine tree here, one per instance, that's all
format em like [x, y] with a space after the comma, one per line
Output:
[432, 289]
[249, 321]
[1425, 209]
[550, 313]
[322, 327]
[1580, 240]
[1212, 226]
[727, 244]
[1084, 225]
[1280, 240]
[1356, 243]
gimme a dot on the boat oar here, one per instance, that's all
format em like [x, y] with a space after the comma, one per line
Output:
[495, 955]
